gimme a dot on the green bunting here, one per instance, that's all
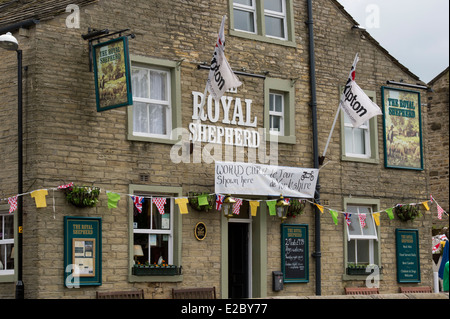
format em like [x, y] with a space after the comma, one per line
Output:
[113, 198]
[272, 204]
[390, 213]
[334, 215]
[203, 200]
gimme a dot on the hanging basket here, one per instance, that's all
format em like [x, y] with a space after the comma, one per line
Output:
[193, 202]
[296, 208]
[82, 196]
[407, 212]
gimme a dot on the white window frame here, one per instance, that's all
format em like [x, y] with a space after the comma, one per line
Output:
[279, 15]
[367, 148]
[272, 95]
[245, 8]
[3, 243]
[151, 231]
[167, 104]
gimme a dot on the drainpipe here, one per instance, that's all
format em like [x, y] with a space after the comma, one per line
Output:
[312, 70]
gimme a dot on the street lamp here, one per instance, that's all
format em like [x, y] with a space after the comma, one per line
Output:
[282, 208]
[227, 206]
[10, 43]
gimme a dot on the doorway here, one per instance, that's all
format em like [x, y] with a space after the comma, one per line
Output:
[239, 260]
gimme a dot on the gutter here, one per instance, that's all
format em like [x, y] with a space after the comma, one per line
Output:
[312, 69]
[18, 25]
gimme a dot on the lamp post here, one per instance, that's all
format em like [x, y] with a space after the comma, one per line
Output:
[10, 43]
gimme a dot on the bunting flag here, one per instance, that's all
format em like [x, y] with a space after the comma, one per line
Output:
[376, 217]
[425, 204]
[320, 207]
[362, 220]
[138, 201]
[390, 213]
[347, 218]
[65, 186]
[440, 211]
[237, 206]
[12, 201]
[221, 76]
[159, 202]
[271, 204]
[219, 202]
[203, 200]
[254, 207]
[182, 205]
[113, 198]
[39, 198]
[334, 215]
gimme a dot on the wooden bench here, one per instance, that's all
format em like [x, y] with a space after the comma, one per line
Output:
[194, 293]
[361, 291]
[136, 294]
[412, 290]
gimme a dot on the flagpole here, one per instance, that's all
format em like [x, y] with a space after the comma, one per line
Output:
[331, 132]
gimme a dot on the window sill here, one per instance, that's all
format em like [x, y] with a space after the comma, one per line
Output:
[252, 36]
[281, 138]
[133, 278]
[360, 159]
[131, 137]
[4, 278]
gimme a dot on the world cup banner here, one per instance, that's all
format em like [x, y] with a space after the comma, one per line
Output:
[265, 180]
[402, 129]
[112, 74]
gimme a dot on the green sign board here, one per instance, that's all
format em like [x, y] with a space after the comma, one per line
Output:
[407, 251]
[82, 251]
[294, 253]
[112, 74]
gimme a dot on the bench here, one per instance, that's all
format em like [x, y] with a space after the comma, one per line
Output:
[361, 291]
[412, 290]
[136, 294]
[194, 293]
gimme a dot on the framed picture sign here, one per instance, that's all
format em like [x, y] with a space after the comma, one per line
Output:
[402, 126]
[294, 253]
[408, 257]
[112, 74]
[82, 251]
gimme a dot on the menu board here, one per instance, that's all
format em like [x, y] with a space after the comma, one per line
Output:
[407, 251]
[294, 253]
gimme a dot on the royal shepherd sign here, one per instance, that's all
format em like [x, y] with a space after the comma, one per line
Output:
[112, 74]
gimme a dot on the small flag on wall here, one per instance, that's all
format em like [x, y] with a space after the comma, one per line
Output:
[159, 202]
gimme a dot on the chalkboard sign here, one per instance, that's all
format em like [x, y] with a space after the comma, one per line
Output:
[408, 261]
[294, 253]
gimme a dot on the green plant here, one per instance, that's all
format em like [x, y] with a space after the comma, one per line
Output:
[193, 201]
[82, 196]
[407, 212]
[296, 208]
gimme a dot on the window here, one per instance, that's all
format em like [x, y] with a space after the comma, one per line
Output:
[244, 12]
[362, 244]
[263, 20]
[6, 244]
[276, 113]
[360, 144]
[279, 110]
[275, 18]
[151, 100]
[154, 236]
[156, 108]
[357, 140]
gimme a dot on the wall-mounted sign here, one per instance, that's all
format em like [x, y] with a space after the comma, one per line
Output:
[402, 129]
[294, 253]
[267, 180]
[82, 251]
[112, 74]
[408, 259]
[200, 231]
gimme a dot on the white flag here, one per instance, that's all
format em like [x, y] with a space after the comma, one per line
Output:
[221, 77]
[355, 103]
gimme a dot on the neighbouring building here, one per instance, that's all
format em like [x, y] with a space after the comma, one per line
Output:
[164, 146]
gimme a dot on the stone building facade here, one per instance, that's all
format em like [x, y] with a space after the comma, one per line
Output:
[67, 140]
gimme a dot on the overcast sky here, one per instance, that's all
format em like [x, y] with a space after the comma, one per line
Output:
[415, 32]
